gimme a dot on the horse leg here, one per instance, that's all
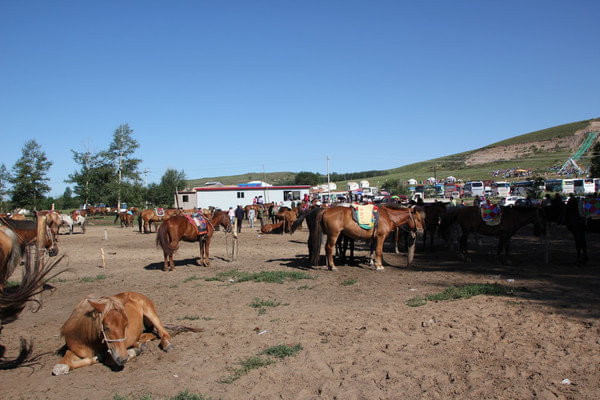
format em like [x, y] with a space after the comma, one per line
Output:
[396, 238]
[71, 361]
[207, 251]
[379, 253]
[464, 239]
[166, 264]
[151, 315]
[329, 247]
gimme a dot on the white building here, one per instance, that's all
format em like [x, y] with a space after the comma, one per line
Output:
[231, 196]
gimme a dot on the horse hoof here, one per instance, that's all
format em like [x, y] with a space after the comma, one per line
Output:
[60, 369]
[333, 268]
[380, 268]
[169, 348]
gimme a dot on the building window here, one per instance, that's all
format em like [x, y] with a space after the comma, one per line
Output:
[185, 198]
[291, 195]
[240, 195]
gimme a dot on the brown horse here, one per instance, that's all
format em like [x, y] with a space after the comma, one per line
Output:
[338, 220]
[149, 216]
[53, 220]
[178, 228]
[28, 232]
[125, 217]
[513, 218]
[111, 328]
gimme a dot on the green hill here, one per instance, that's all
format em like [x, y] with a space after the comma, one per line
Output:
[537, 151]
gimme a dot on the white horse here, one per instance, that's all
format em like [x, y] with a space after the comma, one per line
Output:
[67, 221]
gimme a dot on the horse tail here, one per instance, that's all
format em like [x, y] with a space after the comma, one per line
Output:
[175, 329]
[163, 239]
[315, 237]
[140, 221]
[36, 274]
[298, 223]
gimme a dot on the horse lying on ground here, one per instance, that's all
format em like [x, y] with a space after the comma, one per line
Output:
[111, 329]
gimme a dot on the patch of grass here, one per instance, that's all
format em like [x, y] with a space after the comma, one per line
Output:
[282, 351]
[98, 277]
[207, 318]
[173, 286]
[182, 395]
[255, 362]
[463, 292]
[263, 276]
[305, 287]
[349, 282]
[190, 317]
[262, 304]
[191, 278]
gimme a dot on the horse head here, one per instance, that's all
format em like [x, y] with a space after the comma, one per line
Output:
[113, 327]
[416, 220]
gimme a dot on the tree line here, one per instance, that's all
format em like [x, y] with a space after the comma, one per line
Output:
[111, 177]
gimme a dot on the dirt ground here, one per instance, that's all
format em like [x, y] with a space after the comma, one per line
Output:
[359, 338]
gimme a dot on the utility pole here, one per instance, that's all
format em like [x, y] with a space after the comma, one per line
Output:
[146, 171]
[328, 182]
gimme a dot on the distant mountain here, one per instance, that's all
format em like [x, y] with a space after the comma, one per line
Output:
[537, 151]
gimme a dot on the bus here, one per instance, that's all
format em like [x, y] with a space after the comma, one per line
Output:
[584, 186]
[473, 188]
[500, 189]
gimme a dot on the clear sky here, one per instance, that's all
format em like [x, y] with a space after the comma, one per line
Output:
[229, 87]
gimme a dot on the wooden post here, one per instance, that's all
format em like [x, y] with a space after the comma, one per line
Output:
[103, 258]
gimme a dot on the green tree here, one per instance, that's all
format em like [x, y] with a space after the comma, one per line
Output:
[307, 178]
[171, 181]
[30, 183]
[595, 161]
[4, 179]
[120, 156]
[93, 174]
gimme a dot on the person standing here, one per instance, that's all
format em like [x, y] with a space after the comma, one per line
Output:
[251, 215]
[231, 214]
[239, 215]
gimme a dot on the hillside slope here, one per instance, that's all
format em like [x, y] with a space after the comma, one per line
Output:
[537, 151]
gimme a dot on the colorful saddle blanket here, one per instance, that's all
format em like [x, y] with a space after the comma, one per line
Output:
[491, 214]
[160, 212]
[199, 221]
[366, 216]
[592, 208]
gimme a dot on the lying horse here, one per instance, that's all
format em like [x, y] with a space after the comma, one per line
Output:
[111, 328]
[180, 227]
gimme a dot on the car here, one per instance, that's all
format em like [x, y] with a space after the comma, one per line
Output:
[512, 200]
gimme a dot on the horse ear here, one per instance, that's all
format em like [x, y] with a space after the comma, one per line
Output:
[98, 306]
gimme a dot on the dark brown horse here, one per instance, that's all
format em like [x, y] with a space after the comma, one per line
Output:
[149, 216]
[513, 218]
[179, 227]
[338, 220]
[570, 216]
[432, 215]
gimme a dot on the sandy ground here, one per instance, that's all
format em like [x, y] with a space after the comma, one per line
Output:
[359, 339]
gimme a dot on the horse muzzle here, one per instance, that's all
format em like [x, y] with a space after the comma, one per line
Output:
[53, 252]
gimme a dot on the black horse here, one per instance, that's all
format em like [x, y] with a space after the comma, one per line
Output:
[569, 215]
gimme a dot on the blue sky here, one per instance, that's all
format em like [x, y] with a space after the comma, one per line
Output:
[228, 87]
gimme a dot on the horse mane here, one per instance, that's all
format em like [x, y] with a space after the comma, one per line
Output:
[85, 323]
[24, 225]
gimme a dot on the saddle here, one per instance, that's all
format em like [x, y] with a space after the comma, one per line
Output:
[160, 212]
[366, 216]
[200, 222]
[592, 208]
[491, 214]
